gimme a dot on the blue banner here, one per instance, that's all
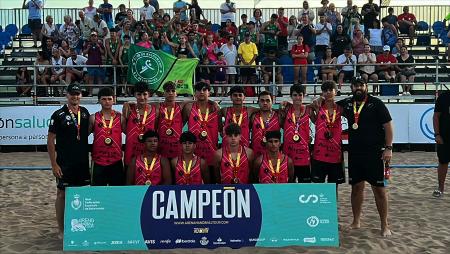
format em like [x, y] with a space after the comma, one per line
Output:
[205, 216]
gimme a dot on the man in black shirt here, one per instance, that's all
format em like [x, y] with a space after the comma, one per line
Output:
[370, 11]
[70, 156]
[370, 147]
[441, 125]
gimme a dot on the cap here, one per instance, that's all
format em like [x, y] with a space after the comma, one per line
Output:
[73, 88]
[247, 34]
[386, 48]
[93, 32]
[358, 80]
[169, 86]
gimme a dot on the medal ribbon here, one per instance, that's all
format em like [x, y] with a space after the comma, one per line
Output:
[203, 120]
[238, 163]
[141, 125]
[277, 171]
[169, 118]
[297, 125]
[110, 121]
[263, 126]
[330, 122]
[77, 122]
[187, 171]
[152, 165]
[358, 112]
[240, 118]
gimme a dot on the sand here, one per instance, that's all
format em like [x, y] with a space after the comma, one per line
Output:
[419, 222]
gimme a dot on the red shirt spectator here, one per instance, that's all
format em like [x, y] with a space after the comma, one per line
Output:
[406, 16]
[284, 31]
[296, 49]
[386, 58]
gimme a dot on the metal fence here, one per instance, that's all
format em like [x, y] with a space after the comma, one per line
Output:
[19, 17]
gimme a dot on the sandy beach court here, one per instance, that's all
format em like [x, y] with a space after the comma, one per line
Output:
[419, 222]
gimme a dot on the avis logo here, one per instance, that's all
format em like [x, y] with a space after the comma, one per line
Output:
[308, 199]
[425, 121]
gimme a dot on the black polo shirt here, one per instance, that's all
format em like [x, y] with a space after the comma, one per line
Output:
[443, 106]
[70, 151]
[369, 138]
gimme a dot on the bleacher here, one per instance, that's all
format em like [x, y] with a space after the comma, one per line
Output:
[433, 71]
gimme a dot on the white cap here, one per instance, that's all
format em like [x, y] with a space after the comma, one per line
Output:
[386, 48]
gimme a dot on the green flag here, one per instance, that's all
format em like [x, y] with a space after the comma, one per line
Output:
[155, 67]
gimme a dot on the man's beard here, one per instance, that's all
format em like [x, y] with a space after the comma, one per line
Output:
[359, 95]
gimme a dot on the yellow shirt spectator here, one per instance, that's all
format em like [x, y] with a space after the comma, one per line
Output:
[247, 51]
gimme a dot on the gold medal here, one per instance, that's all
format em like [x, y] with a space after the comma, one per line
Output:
[169, 132]
[108, 141]
[264, 140]
[204, 134]
[148, 182]
[296, 137]
[355, 126]
[235, 180]
[141, 137]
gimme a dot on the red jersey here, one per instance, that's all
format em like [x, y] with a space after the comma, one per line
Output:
[296, 137]
[283, 28]
[296, 49]
[259, 129]
[406, 16]
[184, 175]
[381, 58]
[137, 125]
[234, 171]
[201, 125]
[268, 172]
[242, 119]
[107, 145]
[149, 173]
[327, 143]
[170, 127]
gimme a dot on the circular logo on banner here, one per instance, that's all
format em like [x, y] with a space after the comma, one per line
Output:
[312, 221]
[147, 67]
[427, 131]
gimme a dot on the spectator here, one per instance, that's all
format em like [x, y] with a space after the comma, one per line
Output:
[138, 30]
[73, 73]
[339, 41]
[210, 48]
[307, 30]
[333, 16]
[292, 31]
[407, 23]
[220, 71]
[34, 18]
[243, 27]
[323, 10]
[257, 19]
[398, 46]
[368, 71]
[230, 53]
[69, 32]
[196, 10]
[47, 51]
[180, 7]
[254, 35]
[101, 27]
[86, 26]
[58, 72]
[406, 72]
[156, 40]
[345, 12]
[375, 41]
[282, 23]
[328, 68]
[94, 50]
[23, 81]
[247, 53]
[112, 50]
[43, 72]
[123, 58]
[64, 49]
[358, 42]
[105, 9]
[155, 4]
[205, 72]
[183, 49]
[194, 45]
[49, 30]
[130, 19]
[230, 29]
[323, 33]
[355, 21]
[299, 53]
[306, 11]
[370, 11]
[389, 34]
[271, 30]
[145, 41]
[258, 22]
[90, 10]
[228, 11]
[121, 15]
[268, 72]
[387, 71]
[346, 64]
[126, 31]
[391, 18]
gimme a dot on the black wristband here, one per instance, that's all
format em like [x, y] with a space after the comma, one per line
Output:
[388, 147]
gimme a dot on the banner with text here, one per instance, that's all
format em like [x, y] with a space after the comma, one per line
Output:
[206, 216]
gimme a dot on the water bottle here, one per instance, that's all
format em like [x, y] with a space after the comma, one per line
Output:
[387, 173]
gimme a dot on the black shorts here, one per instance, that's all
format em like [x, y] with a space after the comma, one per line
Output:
[77, 175]
[368, 74]
[246, 71]
[443, 153]
[35, 24]
[302, 174]
[320, 170]
[113, 174]
[348, 75]
[366, 167]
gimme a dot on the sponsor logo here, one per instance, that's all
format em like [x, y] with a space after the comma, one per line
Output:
[257, 239]
[133, 241]
[116, 242]
[312, 221]
[85, 243]
[309, 240]
[427, 131]
[219, 241]
[165, 241]
[148, 67]
[99, 243]
[201, 230]
[291, 239]
[327, 239]
[204, 241]
[179, 241]
[81, 224]
[235, 241]
[308, 199]
[274, 239]
[150, 241]
[76, 203]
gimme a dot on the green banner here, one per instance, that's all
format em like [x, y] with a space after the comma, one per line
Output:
[155, 67]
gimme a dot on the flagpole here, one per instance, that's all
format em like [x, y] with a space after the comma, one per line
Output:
[129, 4]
